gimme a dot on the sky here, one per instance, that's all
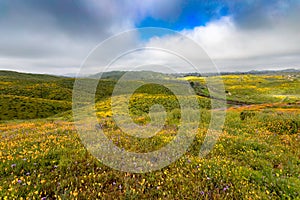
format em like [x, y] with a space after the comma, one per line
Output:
[57, 36]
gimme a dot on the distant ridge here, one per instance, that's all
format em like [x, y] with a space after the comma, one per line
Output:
[23, 75]
[115, 75]
[239, 73]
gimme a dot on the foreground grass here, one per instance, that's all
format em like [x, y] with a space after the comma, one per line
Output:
[251, 160]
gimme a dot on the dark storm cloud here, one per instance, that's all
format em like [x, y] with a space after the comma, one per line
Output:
[55, 29]
[73, 17]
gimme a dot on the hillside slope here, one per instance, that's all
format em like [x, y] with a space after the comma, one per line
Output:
[29, 96]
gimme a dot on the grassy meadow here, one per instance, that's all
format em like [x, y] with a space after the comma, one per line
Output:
[257, 155]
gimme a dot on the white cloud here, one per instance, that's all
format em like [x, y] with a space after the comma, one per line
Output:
[233, 48]
[223, 40]
[49, 37]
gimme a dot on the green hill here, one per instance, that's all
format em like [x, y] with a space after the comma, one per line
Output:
[28, 96]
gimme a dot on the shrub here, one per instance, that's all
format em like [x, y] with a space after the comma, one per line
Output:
[246, 114]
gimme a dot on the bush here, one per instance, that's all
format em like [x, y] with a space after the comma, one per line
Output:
[246, 114]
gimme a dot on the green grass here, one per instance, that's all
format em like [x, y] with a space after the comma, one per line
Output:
[255, 89]
[257, 155]
[248, 161]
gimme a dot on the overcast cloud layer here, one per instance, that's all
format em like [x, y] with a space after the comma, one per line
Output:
[54, 36]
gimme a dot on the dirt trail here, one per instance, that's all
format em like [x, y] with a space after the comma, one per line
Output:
[230, 102]
[257, 106]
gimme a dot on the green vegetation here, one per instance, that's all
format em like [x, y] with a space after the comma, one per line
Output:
[257, 155]
[29, 96]
[20, 107]
[255, 89]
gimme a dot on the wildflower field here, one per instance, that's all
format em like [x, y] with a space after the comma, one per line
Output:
[257, 155]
